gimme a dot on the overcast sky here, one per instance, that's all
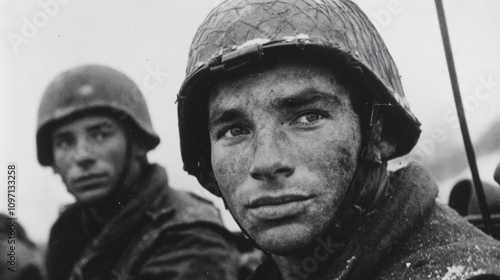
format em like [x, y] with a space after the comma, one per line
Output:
[147, 39]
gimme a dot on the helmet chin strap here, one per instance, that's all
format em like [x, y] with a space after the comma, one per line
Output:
[368, 186]
[121, 185]
[373, 133]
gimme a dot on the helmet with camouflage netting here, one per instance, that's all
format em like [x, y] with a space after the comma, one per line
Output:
[239, 33]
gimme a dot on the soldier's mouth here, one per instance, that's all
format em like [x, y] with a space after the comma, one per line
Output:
[90, 179]
[277, 207]
[277, 200]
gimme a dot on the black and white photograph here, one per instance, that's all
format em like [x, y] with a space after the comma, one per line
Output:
[250, 139]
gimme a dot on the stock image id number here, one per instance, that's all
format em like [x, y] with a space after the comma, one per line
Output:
[11, 189]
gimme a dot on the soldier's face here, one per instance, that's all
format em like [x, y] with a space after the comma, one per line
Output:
[89, 154]
[284, 147]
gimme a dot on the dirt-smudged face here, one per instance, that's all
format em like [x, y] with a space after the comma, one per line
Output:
[284, 146]
[89, 154]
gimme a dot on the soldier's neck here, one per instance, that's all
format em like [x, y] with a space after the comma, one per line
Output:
[118, 199]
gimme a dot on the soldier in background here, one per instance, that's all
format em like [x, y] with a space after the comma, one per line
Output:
[290, 112]
[94, 130]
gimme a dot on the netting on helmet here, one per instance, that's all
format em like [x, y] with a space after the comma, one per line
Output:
[240, 33]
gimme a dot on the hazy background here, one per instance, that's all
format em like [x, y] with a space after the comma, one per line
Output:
[149, 41]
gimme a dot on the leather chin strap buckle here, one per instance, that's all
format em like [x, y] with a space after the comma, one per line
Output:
[371, 151]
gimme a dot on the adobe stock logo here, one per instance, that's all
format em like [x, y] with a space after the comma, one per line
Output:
[486, 87]
[383, 17]
[154, 78]
[323, 250]
[32, 26]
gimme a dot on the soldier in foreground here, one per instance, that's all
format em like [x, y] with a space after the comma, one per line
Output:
[94, 130]
[290, 112]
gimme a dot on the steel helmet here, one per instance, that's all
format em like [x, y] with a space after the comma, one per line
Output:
[238, 33]
[91, 88]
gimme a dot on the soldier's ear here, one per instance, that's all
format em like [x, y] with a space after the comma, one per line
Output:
[139, 151]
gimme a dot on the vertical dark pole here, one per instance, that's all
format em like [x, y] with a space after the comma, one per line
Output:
[469, 148]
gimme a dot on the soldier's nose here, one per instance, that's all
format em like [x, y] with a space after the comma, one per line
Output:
[271, 160]
[84, 154]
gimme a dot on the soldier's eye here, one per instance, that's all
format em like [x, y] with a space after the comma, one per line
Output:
[63, 142]
[308, 118]
[311, 117]
[232, 132]
[97, 134]
[235, 132]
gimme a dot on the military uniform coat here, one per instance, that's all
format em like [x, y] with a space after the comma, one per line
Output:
[160, 234]
[409, 236]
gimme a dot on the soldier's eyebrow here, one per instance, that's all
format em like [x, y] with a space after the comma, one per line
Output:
[61, 134]
[101, 125]
[223, 116]
[307, 96]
